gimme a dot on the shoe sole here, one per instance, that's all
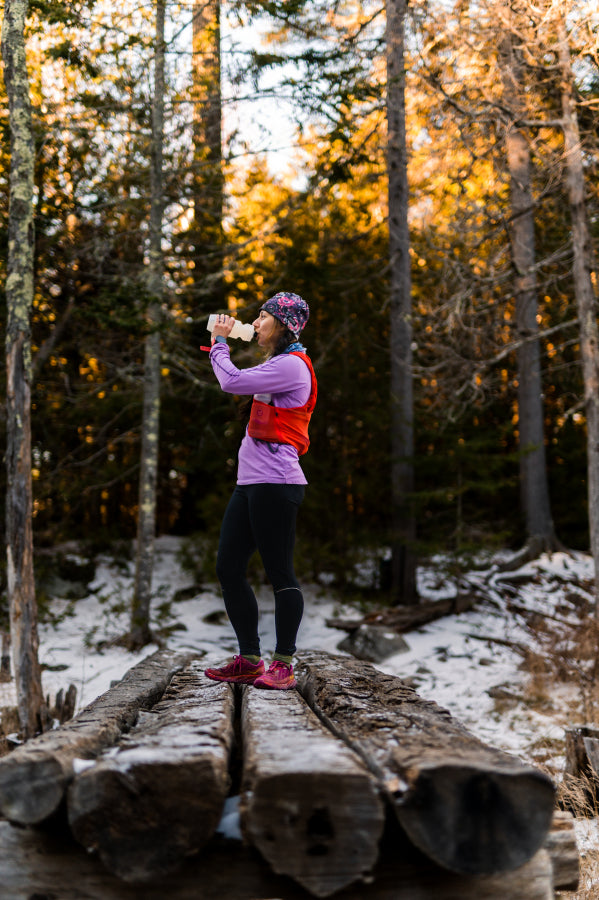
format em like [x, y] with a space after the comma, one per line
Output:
[276, 687]
[244, 679]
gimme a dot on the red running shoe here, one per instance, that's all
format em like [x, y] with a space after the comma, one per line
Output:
[240, 671]
[278, 678]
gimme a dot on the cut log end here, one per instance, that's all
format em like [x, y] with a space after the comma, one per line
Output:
[34, 778]
[310, 827]
[469, 807]
[142, 828]
[159, 797]
[31, 790]
[309, 804]
[478, 822]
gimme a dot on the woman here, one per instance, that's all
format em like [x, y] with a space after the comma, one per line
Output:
[270, 487]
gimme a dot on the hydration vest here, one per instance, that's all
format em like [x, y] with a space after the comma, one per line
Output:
[284, 425]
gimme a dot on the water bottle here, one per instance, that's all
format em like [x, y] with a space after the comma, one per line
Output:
[239, 330]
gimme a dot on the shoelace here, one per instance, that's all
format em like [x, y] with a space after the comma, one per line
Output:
[277, 664]
[236, 664]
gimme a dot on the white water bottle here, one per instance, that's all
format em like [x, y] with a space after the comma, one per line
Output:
[239, 330]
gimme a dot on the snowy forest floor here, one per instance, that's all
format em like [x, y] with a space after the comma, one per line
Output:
[516, 670]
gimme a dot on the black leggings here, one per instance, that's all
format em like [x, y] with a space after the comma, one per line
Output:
[261, 516]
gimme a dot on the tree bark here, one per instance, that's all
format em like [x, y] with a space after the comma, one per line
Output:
[159, 798]
[534, 488]
[5, 674]
[469, 807]
[19, 300]
[583, 271]
[309, 804]
[35, 776]
[403, 559]
[146, 526]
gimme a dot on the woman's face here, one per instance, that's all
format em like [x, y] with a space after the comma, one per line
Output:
[267, 329]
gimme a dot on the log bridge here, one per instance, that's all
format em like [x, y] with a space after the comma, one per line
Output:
[352, 786]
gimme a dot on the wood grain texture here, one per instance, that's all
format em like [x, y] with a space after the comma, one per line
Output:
[562, 847]
[36, 864]
[158, 797]
[35, 776]
[309, 804]
[471, 808]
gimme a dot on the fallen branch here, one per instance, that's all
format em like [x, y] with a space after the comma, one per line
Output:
[529, 613]
[406, 618]
[516, 646]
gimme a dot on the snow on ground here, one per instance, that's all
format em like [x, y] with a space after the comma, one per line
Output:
[448, 660]
[455, 661]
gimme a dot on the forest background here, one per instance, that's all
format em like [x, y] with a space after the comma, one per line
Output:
[236, 229]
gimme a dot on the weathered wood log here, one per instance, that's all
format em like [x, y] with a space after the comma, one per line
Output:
[35, 776]
[581, 771]
[469, 807]
[39, 864]
[407, 618]
[582, 751]
[309, 804]
[159, 796]
[563, 850]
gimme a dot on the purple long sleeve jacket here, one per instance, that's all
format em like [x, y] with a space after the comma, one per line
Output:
[283, 380]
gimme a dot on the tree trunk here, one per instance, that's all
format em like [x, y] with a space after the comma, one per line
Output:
[5, 674]
[583, 285]
[158, 800]
[309, 803]
[146, 526]
[19, 300]
[534, 488]
[35, 776]
[469, 807]
[403, 559]
[206, 233]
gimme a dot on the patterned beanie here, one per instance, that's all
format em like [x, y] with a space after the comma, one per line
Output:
[289, 309]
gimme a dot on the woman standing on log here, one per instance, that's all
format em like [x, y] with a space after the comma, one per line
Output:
[270, 486]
